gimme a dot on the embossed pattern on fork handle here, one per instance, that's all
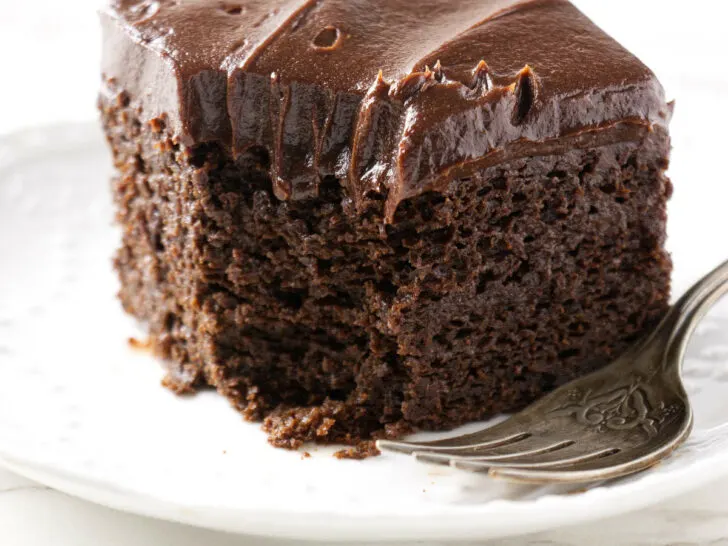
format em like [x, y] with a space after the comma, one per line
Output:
[616, 421]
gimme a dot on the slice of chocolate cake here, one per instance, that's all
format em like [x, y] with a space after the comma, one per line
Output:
[355, 218]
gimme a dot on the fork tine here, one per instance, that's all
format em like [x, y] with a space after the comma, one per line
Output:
[550, 476]
[602, 468]
[522, 450]
[433, 458]
[461, 443]
[607, 466]
[503, 467]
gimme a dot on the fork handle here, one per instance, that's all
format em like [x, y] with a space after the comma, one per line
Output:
[689, 309]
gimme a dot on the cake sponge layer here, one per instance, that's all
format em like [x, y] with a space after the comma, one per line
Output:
[336, 325]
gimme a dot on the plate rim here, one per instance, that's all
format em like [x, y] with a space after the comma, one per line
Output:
[474, 522]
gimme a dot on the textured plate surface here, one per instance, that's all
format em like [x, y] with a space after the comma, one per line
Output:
[83, 412]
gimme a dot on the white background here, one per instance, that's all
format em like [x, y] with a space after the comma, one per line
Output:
[49, 53]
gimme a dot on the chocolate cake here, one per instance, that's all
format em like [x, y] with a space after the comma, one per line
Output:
[359, 218]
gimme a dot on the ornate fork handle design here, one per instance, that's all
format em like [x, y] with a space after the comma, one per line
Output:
[622, 408]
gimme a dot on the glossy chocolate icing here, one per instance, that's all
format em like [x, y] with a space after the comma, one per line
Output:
[393, 97]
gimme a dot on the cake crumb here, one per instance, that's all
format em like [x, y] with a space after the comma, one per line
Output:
[578, 491]
[305, 455]
[178, 387]
[140, 345]
[362, 450]
[289, 428]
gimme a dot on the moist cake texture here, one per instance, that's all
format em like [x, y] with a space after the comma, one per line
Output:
[355, 219]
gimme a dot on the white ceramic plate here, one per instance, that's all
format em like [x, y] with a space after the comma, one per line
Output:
[82, 412]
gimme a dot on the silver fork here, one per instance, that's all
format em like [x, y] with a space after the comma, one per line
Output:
[619, 420]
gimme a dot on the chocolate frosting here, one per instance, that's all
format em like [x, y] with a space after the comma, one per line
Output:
[393, 97]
